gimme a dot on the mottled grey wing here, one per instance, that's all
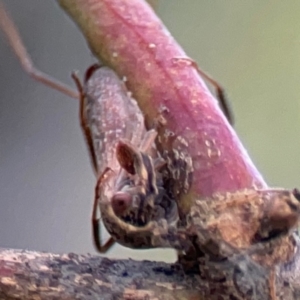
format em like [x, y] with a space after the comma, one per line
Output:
[111, 115]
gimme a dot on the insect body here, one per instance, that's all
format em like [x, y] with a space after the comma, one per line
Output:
[118, 140]
[112, 124]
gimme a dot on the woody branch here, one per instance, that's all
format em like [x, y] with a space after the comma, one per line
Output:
[31, 275]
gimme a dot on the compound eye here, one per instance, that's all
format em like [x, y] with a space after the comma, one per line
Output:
[121, 202]
[125, 156]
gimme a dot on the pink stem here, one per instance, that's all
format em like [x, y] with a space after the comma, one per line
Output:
[129, 37]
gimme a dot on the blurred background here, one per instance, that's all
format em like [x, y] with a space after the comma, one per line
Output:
[46, 188]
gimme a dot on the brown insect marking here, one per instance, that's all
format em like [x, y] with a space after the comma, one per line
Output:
[139, 190]
[180, 168]
[134, 223]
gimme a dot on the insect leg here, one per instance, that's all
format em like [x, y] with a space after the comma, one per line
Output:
[220, 92]
[95, 220]
[88, 136]
[10, 31]
[15, 41]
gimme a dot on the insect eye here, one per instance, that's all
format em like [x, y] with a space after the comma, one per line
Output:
[125, 155]
[121, 202]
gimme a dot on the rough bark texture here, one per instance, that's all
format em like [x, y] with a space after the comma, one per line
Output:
[34, 275]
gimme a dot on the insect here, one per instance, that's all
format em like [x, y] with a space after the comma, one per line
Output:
[127, 214]
[117, 139]
[100, 145]
[107, 116]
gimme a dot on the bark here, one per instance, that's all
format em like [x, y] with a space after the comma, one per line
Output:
[35, 275]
